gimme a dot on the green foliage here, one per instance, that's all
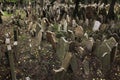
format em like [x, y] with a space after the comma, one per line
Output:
[59, 34]
[55, 27]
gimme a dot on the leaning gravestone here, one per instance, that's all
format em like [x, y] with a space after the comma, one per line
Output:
[104, 55]
[51, 38]
[103, 52]
[62, 48]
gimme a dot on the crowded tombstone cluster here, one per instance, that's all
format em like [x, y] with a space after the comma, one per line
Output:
[48, 41]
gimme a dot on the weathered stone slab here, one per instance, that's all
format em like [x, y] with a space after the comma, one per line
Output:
[86, 66]
[103, 52]
[111, 42]
[74, 64]
[79, 32]
[96, 26]
[51, 38]
[88, 43]
[62, 48]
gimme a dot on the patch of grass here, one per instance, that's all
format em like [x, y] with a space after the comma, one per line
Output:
[6, 14]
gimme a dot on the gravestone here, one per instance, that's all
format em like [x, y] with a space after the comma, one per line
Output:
[65, 63]
[62, 48]
[104, 55]
[88, 43]
[51, 38]
[27, 78]
[74, 64]
[103, 52]
[96, 26]
[111, 42]
[86, 66]
[103, 27]
[79, 32]
[38, 34]
[67, 60]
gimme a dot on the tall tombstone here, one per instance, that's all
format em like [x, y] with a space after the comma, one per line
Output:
[11, 59]
[62, 48]
[104, 56]
[60, 73]
[51, 38]
[74, 64]
[103, 52]
[86, 66]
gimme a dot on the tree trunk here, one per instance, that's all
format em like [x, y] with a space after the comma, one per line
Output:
[75, 13]
[111, 14]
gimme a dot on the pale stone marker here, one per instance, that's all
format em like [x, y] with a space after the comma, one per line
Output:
[96, 26]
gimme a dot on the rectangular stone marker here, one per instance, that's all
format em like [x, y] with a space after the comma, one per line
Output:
[96, 26]
[74, 64]
[103, 52]
[62, 48]
[111, 42]
[51, 38]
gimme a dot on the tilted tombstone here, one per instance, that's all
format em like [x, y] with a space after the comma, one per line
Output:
[103, 27]
[103, 52]
[51, 38]
[62, 48]
[111, 42]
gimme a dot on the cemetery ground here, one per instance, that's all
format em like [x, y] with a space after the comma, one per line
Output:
[42, 61]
